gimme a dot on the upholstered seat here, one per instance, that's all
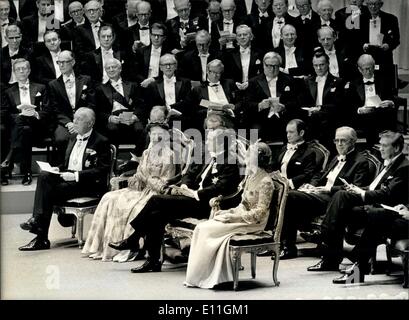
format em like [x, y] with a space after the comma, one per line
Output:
[252, 239]
[399, 248]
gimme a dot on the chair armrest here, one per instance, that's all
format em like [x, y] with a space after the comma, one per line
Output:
[118, 183]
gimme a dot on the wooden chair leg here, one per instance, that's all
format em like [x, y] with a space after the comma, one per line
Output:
[253, 264]
[276, 262]
[236, 265]
[80, 230]
[74, 230]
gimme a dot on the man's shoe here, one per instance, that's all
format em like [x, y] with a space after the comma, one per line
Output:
[29, 225]
[36, 244]
[148, 266]
[288, 253]
[27, 179]
[124, 245]
[266, 253]
[324, 265]
[313, 236]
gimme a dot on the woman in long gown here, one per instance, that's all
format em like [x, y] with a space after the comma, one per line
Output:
[117, 208]
[209, 258]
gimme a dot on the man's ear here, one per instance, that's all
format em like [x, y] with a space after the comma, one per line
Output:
[302, 133]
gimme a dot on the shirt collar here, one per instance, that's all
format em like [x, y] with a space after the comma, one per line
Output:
[13, 53]
[26, 83]
[5, 22]
[365, 80]
[70, 77]
[228, 21]
[184, 21]
[263, 14]
[307, 16]
[169, 80]
[330, 52]
[245, 50]
[80, 23]
[292, 49]
[389, 162]
[114, 83]
[277, 19]
[214, 84]
[84, 136]
[324, 22]
[153, 49]
[321, 78]
[107, 51]
[294, 146]
[271, 79]
[203, 54]
[54, 55]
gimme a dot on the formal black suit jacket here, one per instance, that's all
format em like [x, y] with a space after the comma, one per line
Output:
[332, 96]
[350, 34]
[356, 91]
[217, 27]
[301, 166]
[26, 8]
[141, 60]
[155, 94]
[84, 39]
[233, 67]
[43, 69]
[354, 171]
[390, 30]
[92, 63]
[306, 31]
[95, 162]
[302, 57]
[287, 91]
[38, 97]
[393, 187]
[132, 99]
[30, 29]
[190, 66]
[58, 103]
[5, 60]
[222, 181]
[265, 40]
[173, 25]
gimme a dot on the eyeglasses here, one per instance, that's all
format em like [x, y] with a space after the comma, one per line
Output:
[157, 35]
[341, 141]
[92, 11]
[76, 12]
[169, 65]
[271, 65]
[215, 72]
[143, 14]
[61, 62]
[303, 6]
[228, 10]
[14, 38]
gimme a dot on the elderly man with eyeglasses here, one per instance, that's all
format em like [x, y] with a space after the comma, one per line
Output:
[76, 12]
[350, 207]
[310, 200]
[272, 100]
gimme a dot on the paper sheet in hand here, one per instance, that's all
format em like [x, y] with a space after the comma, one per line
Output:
[45, 166]
[389, 208]
[373, 101]
[22, 107]
[126, 115]
[211, 105]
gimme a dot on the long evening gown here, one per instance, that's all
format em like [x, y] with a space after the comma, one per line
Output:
[117, 208]
[209, 258]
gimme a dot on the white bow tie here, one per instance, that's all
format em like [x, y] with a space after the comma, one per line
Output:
[115, 84]
[171, 80]
[227, 21]
[289, 50]
[265, 14]
[293, 147]
[387, 163]
[330, 53]
[245, 51]
[341, 158]
[320, 79]
[204, 55]
[278, 20]
[105, 52]
[214, 84]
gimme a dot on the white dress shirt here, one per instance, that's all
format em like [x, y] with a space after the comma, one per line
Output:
[24, 92]
[249, 6]
[13, 74]
[95, 28]
[333, 62]
[170, 10]
[77, 153]
[278, 23]
[69, 83]
[325, 23]
[291, 149]
[54, 57]
[307, 16]
[320, 88]
[370, 90]
[105, 54]
[59, 10]
[169, 89]
[290, 61]
[154, 62]
[333, 174]
[203, 62]
[228, 26]
[4, 25]
[387, 164]
[272, 86]
[375, 31]
[42, 27]
[17, 6]
[119, 87]
[144, 35]
[245, 62]
[216, 93]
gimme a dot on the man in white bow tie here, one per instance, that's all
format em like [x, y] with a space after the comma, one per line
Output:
[25, 101]
[83, 173]
[350, 207]
[371, 97]
[311, 199]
